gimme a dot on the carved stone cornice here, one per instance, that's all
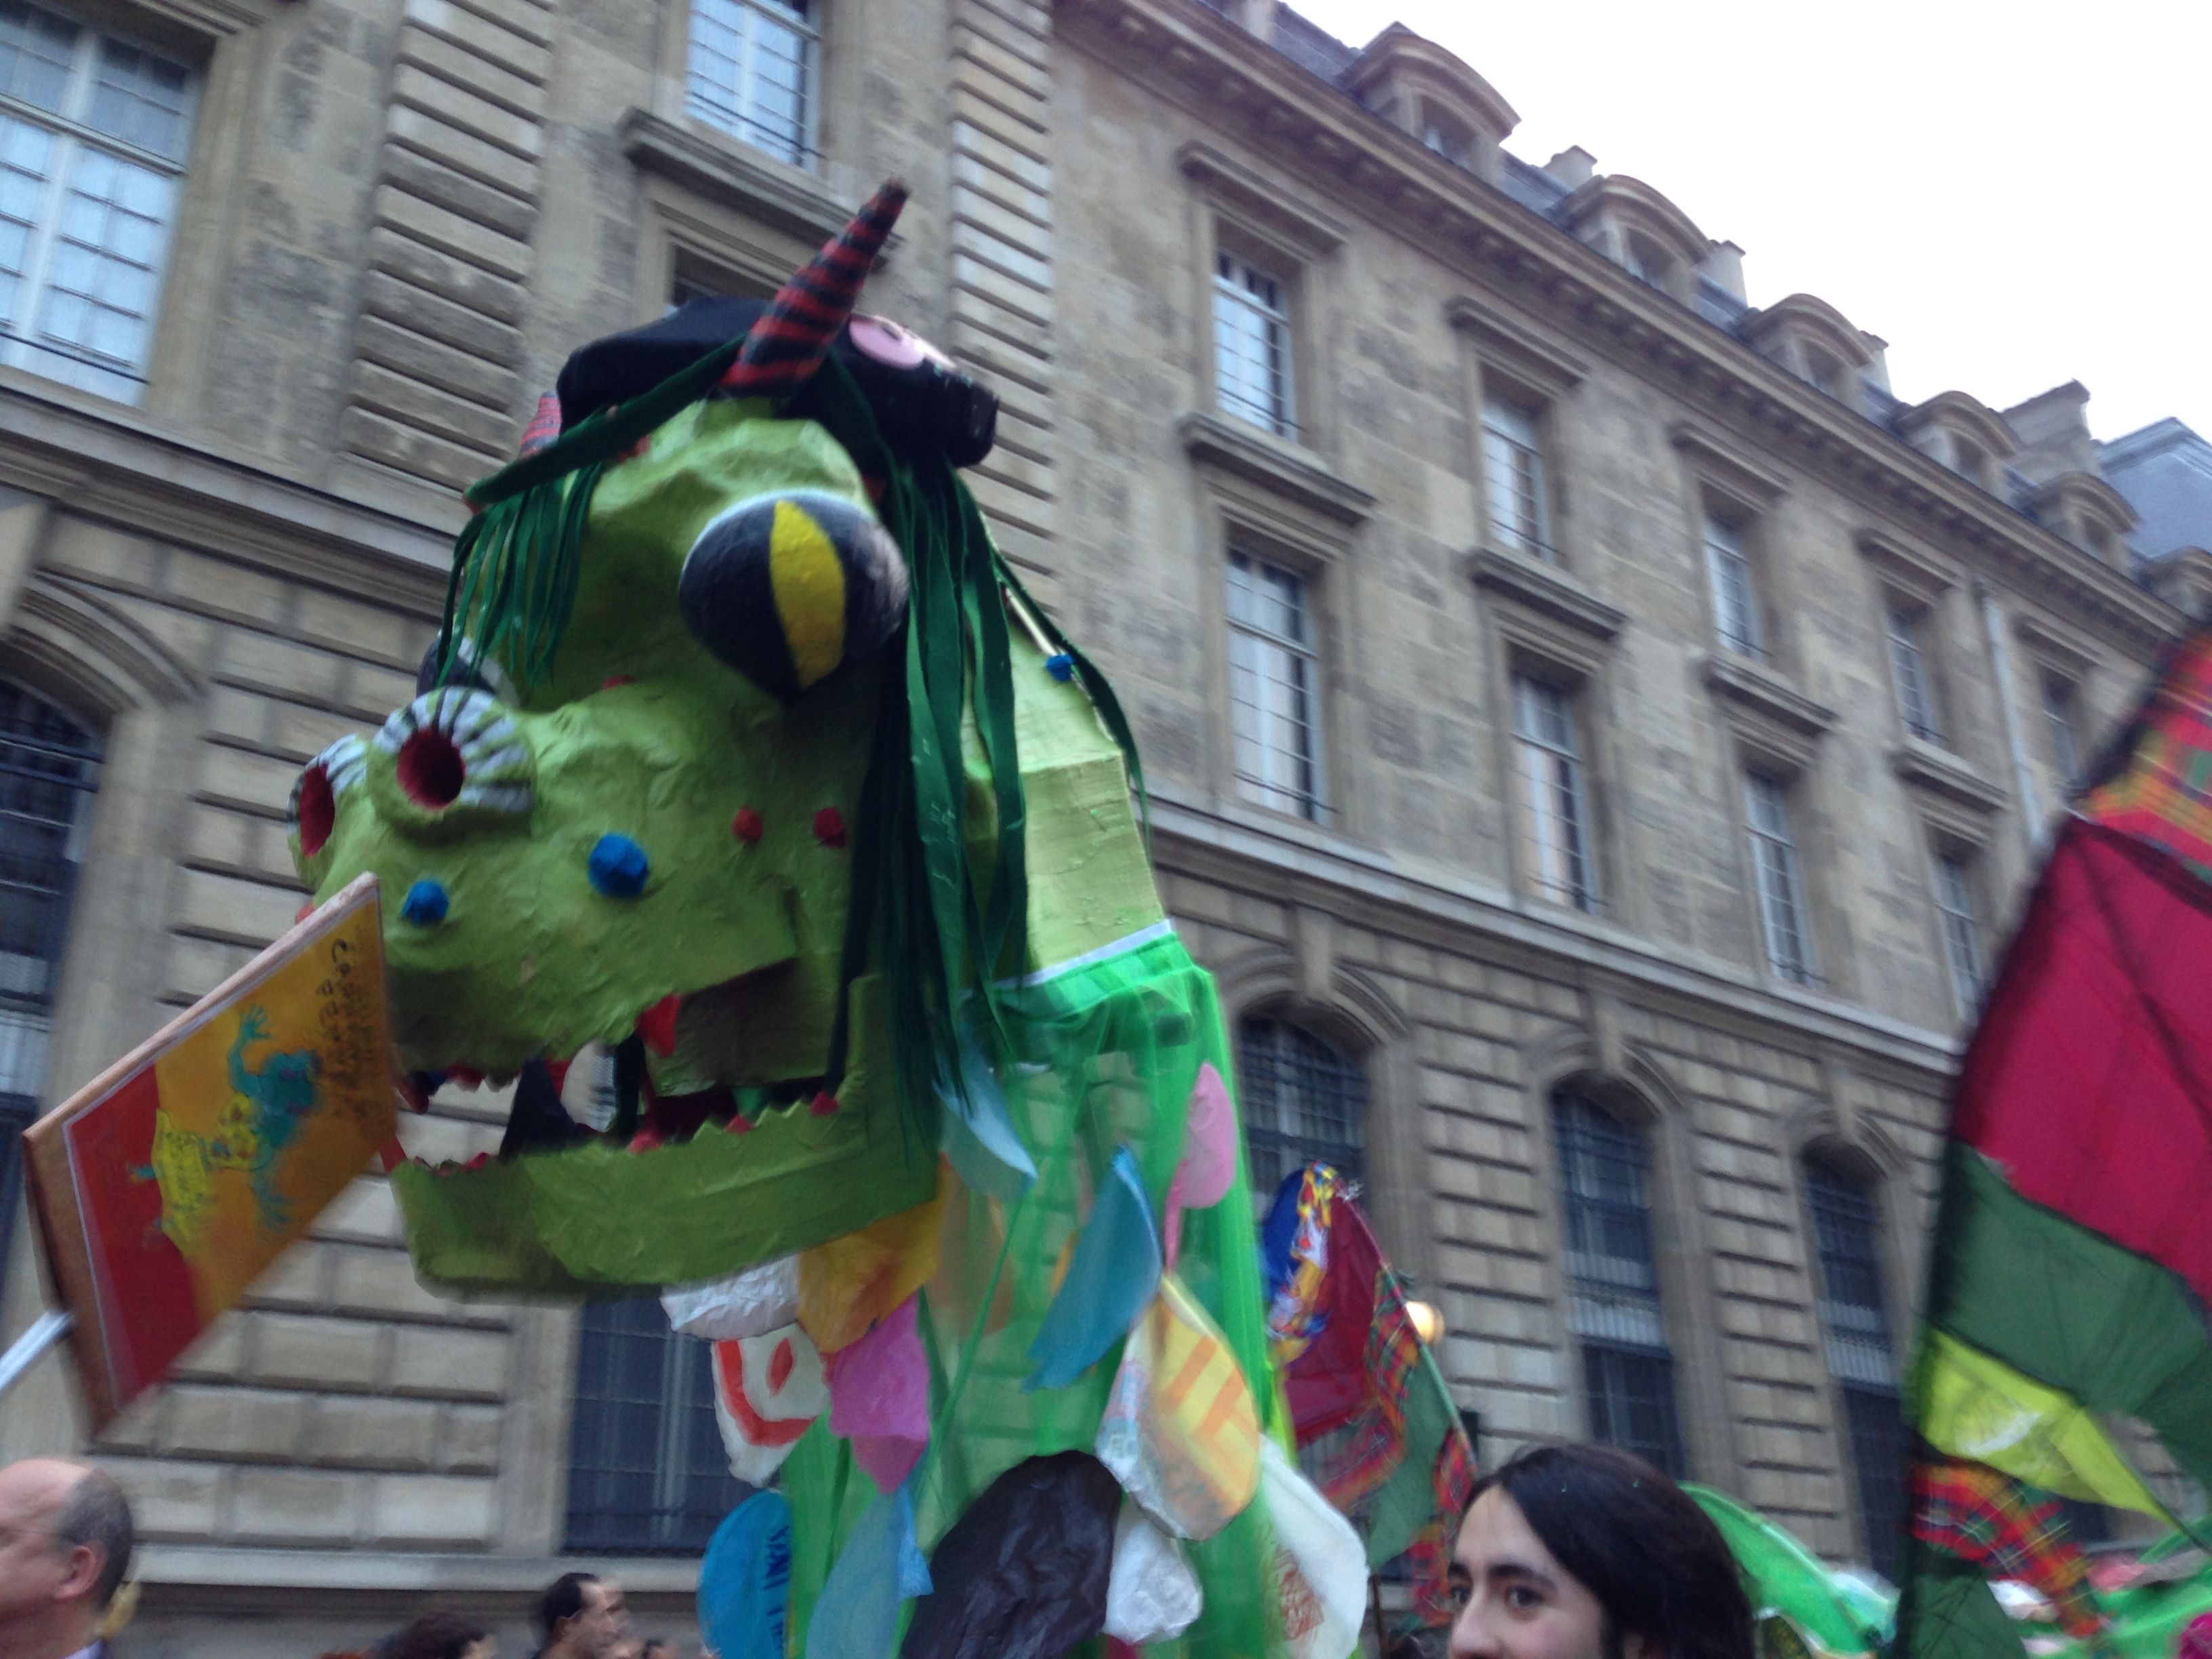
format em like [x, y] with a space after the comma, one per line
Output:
[1307, 230]
[1293, 475]
[1766, 694]
[1546, 590]
[1733, 471]
[116, 466]
[1940, 772]
[732, 176]
[1190, 54]
[1905, 566]
[1520, 349]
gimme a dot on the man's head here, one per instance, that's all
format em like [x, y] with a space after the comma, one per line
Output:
[65, 1543]
[581, 1616]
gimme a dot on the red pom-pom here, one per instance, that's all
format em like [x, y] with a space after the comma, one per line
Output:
[824, 1104]
[830, 827]
[647, 1140]
[477, 1162]
[739, 1124]
[657, 1024]
[614, 680]
[747, 825]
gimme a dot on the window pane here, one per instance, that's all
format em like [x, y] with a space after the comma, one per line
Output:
[1874, 1424]
[1513, 465]
[751, 70]
[1274, 688]
[1303, 1101]
[1962, 931]
[1736, 606]
[1251, 346]
[1555, 816]
[1779, 889]
[1614, 1281]
[1916, 692]
[2059, 706]
[36, 48]
[141, 99]
[647, 1474]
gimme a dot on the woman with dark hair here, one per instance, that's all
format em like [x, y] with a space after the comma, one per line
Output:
[1586, 1552]
[444, 1635]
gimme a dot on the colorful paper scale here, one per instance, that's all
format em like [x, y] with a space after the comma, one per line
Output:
[2072, 1252]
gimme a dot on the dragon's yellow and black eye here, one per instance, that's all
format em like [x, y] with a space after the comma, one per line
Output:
[786, 588]
[316, 792]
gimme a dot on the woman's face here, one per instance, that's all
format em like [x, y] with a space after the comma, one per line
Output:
[1515, 1601]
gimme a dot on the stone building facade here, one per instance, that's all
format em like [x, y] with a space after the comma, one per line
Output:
[1597, 733]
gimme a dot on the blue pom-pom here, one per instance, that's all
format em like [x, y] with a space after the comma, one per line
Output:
[1061, 666]
[619, 866]
[426, 903]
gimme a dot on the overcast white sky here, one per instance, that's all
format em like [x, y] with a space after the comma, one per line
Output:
[2012, 195]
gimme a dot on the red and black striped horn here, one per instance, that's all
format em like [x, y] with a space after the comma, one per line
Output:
[789, 341]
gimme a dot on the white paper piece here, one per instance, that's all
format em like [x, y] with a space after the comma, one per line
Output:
[1320, 1565]
[768, 1391]
[748, 1304]
[1151, 1596]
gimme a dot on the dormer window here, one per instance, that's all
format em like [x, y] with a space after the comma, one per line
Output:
[1647, 264]
[1825, 373]
[1446, 136]
[1817, 344]
[1965, 434]
[1434, 99]
[1968, 461]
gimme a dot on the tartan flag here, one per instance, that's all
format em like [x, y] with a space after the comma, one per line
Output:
[2073, 1252]
[1404, 1465]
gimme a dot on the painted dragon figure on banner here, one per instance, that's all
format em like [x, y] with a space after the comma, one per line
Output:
[742, 754]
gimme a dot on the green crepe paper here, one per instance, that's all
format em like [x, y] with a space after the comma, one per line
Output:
[1783, 1576]
[598, 1218]
[530, 960]
[1110, 1050]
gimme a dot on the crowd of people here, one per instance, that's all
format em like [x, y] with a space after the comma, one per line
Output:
[1565, 1553]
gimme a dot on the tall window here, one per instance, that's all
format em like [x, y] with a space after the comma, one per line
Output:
[1846, 1228]
[49, 766]
[1513, 469]
[647, 1471]
[1274, 686]
[94, 134]
[1909, 667]
[1555, 818]
[1613, 1299]
[1962, 928]
[2062, 721]
[1304, 1100]
[1782, 914]
[752, 73]
[1252, 345]
[1736, 599]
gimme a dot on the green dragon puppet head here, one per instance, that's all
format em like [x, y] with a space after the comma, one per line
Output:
[726, 758]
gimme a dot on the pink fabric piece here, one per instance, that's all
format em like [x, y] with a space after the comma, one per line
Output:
[879, 1397]
[1208, 1169]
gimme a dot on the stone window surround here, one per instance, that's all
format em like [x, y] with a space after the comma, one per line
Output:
[1837, 1130]
[1766, 734]
[1262, 497]
[1522, 365]
[224, 44]
[1906, 579]
[1535, 620]
[713, 202]
[1197, 58]
[1637, 1089]
[1941, 840]
[1740, 489]
[1303, 980]
[1267, 224]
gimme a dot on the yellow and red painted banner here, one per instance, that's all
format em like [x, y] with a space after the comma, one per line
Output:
[166, 1185]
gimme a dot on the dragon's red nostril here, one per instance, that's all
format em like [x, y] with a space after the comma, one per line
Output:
[430, 768]
[319, 809]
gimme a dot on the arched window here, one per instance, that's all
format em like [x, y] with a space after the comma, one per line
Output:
[49, 767]
[1613, 1280]
[1847, 1228]
[1304, 1100]
[646, 1471]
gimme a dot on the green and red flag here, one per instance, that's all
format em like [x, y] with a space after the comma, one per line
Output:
[2073, 1253]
